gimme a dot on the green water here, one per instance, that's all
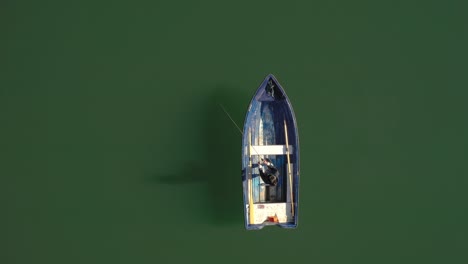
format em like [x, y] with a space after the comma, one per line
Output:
[113, 148]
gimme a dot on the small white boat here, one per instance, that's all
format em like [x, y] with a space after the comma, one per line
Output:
[271, 191]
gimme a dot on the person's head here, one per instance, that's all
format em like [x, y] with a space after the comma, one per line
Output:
[267, 161]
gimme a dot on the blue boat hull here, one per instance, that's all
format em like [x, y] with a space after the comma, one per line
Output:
[270, 131]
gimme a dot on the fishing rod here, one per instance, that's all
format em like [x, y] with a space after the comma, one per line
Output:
[232, 120]
[250, 146]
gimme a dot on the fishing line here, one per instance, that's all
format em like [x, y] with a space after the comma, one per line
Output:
[236, 125]
[231, 118]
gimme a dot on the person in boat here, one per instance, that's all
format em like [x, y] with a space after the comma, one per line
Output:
[268, 172]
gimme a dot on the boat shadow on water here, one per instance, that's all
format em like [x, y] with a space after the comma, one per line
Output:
[219, 164]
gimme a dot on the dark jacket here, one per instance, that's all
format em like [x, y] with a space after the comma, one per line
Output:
[269, 175]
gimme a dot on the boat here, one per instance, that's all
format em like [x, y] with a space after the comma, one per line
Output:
[270, 134]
